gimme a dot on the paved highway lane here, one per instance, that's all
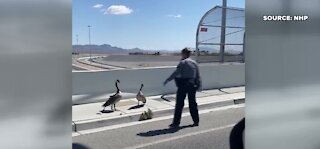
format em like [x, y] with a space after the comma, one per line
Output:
[213, 133]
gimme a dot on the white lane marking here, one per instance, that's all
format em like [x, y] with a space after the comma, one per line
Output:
[180, 137]
[75, 65]
[95, 130]
[74, 134]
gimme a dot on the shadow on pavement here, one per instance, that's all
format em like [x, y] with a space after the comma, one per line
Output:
[136, 107]
[152, 133]
[79, 146]
[106, 111]
[166, 99]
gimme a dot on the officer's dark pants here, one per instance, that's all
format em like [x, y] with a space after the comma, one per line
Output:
[182, 92]
[236, 135]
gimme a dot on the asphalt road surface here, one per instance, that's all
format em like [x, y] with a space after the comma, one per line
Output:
[213, 133]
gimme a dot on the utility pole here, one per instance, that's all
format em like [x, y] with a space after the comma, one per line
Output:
[223, 30]
[90, 43]
[77, 38]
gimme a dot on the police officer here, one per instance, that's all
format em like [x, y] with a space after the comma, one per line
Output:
[188, 81]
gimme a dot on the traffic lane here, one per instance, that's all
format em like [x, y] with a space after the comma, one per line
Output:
[218, 139]
[154, 131]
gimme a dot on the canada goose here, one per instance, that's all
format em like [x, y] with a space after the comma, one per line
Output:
[146, 115]
[143, 116]
[113, 99]
[140, 96]
[150, 113]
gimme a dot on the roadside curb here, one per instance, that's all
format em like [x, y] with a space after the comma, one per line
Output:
[103, 122]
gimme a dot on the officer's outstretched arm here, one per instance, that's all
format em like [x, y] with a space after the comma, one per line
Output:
[176, 72]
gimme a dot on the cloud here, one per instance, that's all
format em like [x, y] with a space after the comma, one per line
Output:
[118, 10]
[98, 6]
[175, 16]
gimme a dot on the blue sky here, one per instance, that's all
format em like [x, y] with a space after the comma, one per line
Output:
[146, 24]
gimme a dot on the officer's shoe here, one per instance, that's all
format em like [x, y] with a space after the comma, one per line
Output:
[195, 124]
[174, 125]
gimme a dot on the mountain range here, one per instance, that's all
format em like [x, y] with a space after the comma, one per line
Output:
[103, 49]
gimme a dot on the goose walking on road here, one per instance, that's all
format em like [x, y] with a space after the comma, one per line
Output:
[114, 98]
[140, 96]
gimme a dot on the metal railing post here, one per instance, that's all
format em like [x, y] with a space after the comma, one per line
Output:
[223, 30]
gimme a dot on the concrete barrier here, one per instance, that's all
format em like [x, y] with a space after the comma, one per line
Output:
[89, 85]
